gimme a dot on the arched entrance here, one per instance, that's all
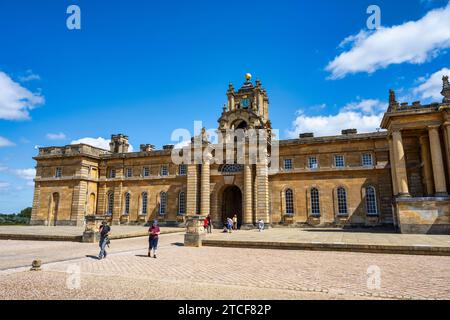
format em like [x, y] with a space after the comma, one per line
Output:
[232, 204]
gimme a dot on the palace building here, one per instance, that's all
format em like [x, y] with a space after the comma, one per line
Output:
[397, 177]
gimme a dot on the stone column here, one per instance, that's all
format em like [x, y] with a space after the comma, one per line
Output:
[393, 172]
[205, 188]
[426, 163]
[117, 211]
[35, 209]
[447, 144]
[437, 161]
[192, 182]
[248, 196]
[400, 164]
[262, 185]
[79, 203]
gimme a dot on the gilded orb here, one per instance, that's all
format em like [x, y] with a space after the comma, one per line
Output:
[248, 76]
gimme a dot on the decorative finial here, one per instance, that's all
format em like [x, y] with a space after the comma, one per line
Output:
[248, 76]
[445, 89]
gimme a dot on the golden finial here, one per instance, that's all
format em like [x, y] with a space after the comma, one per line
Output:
[248, 76]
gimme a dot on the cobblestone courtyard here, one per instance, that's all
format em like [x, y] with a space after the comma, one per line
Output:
[213, 273]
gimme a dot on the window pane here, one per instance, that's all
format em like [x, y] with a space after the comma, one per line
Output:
[312, 163]
[182, 203]
[342, 201]
[146, 171]
[144, 202]
[289, 195]
[163, 204]
[127, 203]
[315, 202]
[371, 201]
[288, 164]
[110, 203]
[339, 161]
[367, 160]
[182, 170]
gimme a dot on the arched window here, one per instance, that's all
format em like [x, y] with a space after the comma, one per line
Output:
[342, 201]
[163, 203]
[182, 203]
[371, 201]
[144, 202]
[127, 203]
[289, 201]
[315, 202]
[110, 203]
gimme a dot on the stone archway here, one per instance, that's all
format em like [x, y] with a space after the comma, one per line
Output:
[232, 204]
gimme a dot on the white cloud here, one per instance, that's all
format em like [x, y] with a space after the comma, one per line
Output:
[413, 42]
[15, 100]
[5, 142]
[364, 115]
[4, 185]
[99, 142]
[26, 174]
[56, 136]
[95, 142]
[430, 87]
[29, 76]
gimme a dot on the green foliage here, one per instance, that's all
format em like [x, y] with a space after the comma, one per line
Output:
[16, 219]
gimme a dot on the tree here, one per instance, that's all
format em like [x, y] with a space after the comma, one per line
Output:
[25, 213]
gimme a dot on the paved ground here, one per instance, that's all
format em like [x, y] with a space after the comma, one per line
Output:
[338, 236]
[215, 273]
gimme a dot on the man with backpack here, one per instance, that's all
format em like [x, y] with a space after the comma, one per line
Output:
[105, 231]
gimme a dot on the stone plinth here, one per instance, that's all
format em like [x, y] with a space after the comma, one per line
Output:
[424, 215]
[195, 232]
[91, 233]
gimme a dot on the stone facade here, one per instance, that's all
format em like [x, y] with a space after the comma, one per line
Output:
[381, 178]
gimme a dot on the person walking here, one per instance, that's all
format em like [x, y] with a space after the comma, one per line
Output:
[235, 222]
[154, 233]
[229, 224]
[105, 231]
[209, 230]
[261, 225]
[206, 224]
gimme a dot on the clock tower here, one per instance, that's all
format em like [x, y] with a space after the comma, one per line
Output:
[247, 108]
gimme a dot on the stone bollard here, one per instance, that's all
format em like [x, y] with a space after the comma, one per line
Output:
[195, 232]
[91, 233]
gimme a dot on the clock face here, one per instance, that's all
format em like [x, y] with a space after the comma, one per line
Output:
[245, 103]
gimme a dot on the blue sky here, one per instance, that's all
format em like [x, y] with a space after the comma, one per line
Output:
[145, 68]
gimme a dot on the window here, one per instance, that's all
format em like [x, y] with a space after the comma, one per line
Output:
[58, 173]
[127, 203]
[315, 202]
[164, 171]
[163, 203]
[342, 201]
[289, 201]
[128, 172]
[232, 168]
[367, 160]
[182, 203]
[371, 201]
[146, 172]
[182, 170]
[144, 203]
[287, 164]
[112, 173]
[339, 161]
[312, 163]
[110, 203]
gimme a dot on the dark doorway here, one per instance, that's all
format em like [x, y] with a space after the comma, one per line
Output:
[232, 204]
